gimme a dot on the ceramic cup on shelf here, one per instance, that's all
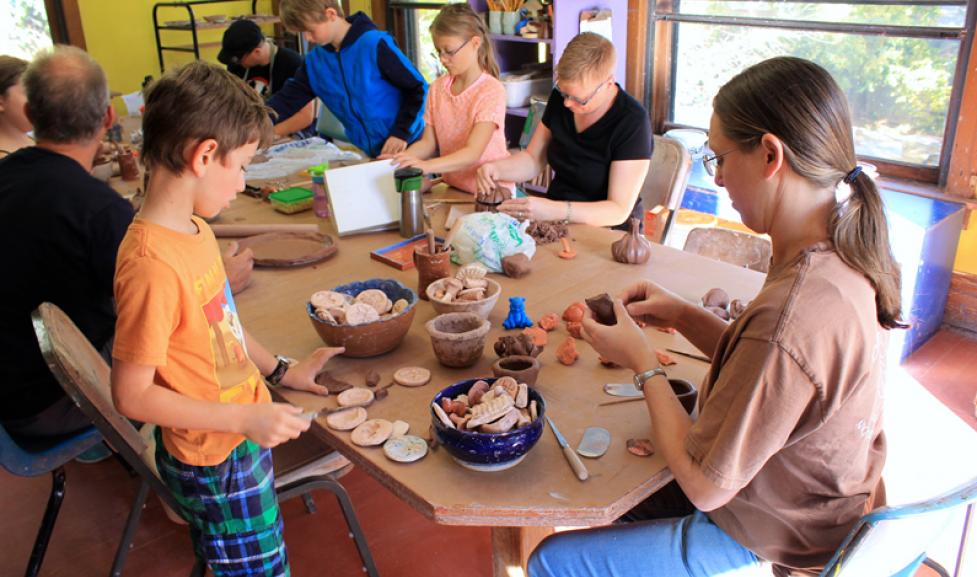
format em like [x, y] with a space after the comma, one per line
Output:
[509, 21]
[495, 21]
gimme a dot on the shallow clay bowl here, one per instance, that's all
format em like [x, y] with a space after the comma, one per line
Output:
[522, 368]
[370, 339]
[481, 307]
[458, 339]
[488, 451]
[686, 392]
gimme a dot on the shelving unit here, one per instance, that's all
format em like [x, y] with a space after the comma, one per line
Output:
[194, 25]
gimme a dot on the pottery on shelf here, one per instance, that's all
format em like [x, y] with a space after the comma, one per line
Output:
[458, 339]
[524, 369]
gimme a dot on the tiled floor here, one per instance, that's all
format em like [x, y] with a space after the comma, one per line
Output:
[404, 543]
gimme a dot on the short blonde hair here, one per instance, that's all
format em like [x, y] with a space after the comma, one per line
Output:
[587, 56]
[298, 14]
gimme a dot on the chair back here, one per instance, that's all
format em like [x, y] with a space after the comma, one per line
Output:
[668, 175]
[893, 541]
[739, 248]
[330, 126]
[84, 375]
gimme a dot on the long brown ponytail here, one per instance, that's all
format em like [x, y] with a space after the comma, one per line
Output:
[460, 20]
[800, 103]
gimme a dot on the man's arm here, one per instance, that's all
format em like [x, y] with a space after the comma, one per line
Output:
[293, 97]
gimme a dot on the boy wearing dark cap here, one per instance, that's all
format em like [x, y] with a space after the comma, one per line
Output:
[264, 66]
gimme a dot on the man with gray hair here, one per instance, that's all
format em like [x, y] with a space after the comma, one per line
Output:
[62, 228]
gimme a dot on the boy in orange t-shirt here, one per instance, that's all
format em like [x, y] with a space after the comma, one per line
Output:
[182, 358]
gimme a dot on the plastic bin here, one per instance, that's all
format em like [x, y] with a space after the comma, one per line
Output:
[518, 88]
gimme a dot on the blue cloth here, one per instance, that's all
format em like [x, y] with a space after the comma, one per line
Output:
[682, 547]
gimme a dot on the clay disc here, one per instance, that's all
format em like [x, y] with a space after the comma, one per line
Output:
[412, 376]
[346, 420]
[285, 249]
[400, 429]
[354, 396]
[371, 433]
[405, 449]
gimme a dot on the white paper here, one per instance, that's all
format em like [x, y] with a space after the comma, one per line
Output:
[602, 26]
[363, 197]
[133, 102]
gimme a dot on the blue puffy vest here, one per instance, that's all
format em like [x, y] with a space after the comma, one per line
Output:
[350, 85]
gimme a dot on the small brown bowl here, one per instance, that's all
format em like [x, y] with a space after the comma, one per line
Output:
[523, 369]
[458, 338]
[481, 307]
[686, 392]
[370, 339]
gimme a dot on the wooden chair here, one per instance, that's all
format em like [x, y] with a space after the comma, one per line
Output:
[665, 184]
[739, 248]
[85, 377]
[893, 541]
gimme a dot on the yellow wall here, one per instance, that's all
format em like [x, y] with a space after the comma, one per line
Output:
[120, 36]
[967, 248]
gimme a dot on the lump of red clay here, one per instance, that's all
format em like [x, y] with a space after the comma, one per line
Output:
[538, 335]
[567, 353]
[517, 265]
[664, 358]
[521, 345]
[641, 447]
[716, 297]
[549, 321]
[574, 313]
[603, 307]
[574, 330]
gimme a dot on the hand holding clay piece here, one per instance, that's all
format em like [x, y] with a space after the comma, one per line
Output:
[574, 313]
[603, 308]
[574, 330]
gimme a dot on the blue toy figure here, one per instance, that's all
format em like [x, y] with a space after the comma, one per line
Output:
[517, 318]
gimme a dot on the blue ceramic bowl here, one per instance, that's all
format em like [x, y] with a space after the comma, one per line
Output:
[487, 451]
[370, 339]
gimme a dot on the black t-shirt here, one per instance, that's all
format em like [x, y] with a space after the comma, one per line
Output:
[582, 161]
[60, 230]
[270, 79]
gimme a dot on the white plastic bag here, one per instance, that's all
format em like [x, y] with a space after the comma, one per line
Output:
[488, 237]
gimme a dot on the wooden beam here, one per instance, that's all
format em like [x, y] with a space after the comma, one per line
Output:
[962, 175]
[636, 68]
[662, 79]
[64, 20]
[379, 16]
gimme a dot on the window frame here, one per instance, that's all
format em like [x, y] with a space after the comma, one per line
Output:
[665, 17]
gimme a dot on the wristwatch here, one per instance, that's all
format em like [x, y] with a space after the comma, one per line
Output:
[280, 369]
[641, 378]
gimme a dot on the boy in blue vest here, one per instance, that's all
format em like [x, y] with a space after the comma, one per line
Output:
[360, 75]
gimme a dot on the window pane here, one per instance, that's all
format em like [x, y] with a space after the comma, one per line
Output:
[428, 65]
[25, 28]
[898, 88]
[935, 15]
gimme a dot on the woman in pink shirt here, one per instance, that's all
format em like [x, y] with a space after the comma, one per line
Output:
[465, 114]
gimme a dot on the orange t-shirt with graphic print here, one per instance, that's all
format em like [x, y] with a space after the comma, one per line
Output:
[176, 313]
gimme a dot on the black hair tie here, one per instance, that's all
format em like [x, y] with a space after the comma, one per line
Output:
[851, 176]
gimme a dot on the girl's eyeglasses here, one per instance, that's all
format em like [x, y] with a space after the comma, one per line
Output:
[587, 100]
[441, 54]
[711, 161]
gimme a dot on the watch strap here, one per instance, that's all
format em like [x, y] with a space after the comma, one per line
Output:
[641, 378]
[280, 369]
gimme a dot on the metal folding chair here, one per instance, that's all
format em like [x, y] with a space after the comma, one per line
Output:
[893, 541]
[85, 377]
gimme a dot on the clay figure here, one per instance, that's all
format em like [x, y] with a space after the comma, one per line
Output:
[520, 345]
[549, 321]
[567, 252]
[567, 353]
[574, 313]
[632, 248]
[602, 306]
[538, 335]
[517, 318]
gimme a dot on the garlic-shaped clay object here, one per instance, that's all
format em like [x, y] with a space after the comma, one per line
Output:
[632, 248]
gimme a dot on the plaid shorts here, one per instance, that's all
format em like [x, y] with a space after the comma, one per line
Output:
[232, 510]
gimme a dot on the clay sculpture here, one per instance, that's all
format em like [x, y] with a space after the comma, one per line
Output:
[632, 248]
[602, 306]
[489, 202]
[538, 335]
[517, 318]
[549, 321]
[567, 353]
[567, 253]
[517, 265]
[520, 345]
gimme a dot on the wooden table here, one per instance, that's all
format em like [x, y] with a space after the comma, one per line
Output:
[521, 504]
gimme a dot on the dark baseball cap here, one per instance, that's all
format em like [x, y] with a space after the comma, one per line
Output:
[241, 37]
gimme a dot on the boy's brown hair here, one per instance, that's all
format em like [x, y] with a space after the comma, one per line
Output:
[195, 102]
[588, 56]
[297, 15]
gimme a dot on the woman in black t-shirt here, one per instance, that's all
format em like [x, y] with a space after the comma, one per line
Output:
[595, 136]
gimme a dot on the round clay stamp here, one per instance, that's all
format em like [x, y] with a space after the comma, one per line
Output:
[400, 428]
[354, 396]
[405, 449]
[371, 433]
[412, 376]
[328, 299]
[376, 298]
[360, 314]
[346, 420]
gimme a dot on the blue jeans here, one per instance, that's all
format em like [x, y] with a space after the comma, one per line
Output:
[682, 547]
